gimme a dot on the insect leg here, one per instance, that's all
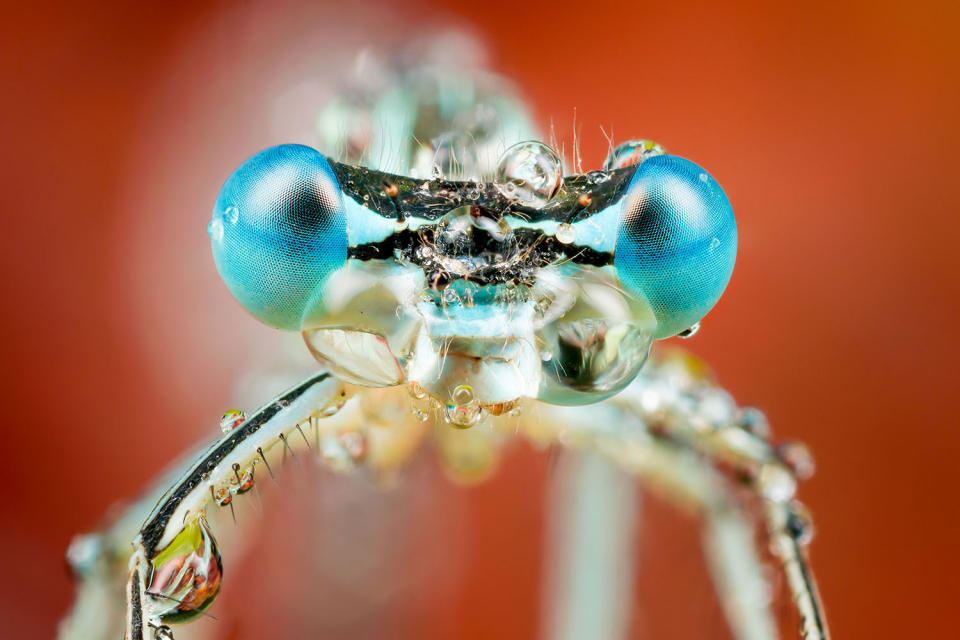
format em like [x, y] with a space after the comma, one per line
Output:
[175, 567]
[679, 475]
[738, 440]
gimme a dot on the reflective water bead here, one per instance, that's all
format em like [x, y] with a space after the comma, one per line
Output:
[597, 177]
[215, 229]
[186, 574]
[632, 152]
[355, 444]
[463, 416]
[222, 496]
[800, 523]
[753, 421]
[462, 395]
[231, 420]
[529, 173]
[163, 632]
[776, 483]
[565, 233]
[689, 333]
[243, 479]
[83, 552]
[798, 459]
[450, 295]
[416, 391]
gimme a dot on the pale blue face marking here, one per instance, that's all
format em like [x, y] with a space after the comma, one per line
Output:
[676, 241]
[365, 226]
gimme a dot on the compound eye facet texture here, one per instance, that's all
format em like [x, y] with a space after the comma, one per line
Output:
[676, 242]
[278, 231]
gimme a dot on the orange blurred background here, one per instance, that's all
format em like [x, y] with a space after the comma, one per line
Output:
[834, 131]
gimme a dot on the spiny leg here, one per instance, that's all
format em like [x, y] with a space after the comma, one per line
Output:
[678, 474]
[770, 477]
[694, 414]
[175, 566]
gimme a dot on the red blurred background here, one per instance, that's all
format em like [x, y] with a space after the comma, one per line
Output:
[833, 130]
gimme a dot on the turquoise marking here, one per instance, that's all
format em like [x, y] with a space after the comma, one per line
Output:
[365, 226]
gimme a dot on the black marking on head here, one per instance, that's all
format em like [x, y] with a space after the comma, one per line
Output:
[433, 199]
[481, 257]
[153, 529]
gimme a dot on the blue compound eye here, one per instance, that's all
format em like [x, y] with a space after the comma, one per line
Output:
[278, 231]
[677, 241]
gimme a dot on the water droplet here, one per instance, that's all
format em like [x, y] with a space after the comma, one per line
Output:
[715, 243]
[462, 395]
[186, 574]
[163, 632]
[242, 480]
[215, 229]
[222, 496]
[420, 415]
[704, 177]
[500, 408]
[464, 417]
[566, 233]
[530, 173]
[331, 410]
[355, 444]
[597, 177]
[632, 152]
[798, 459]
[416, 391]
[450, 295]
[83, 552]
[690, 332]
[753, 421]
[231, 215]
[800, 523]
[231, 420]
[776, 483]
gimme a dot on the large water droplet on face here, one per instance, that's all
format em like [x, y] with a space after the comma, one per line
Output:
[593, 358]
[529, 173]
[186, 574]
[358, 357]
[464, 416]
[632, 152]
